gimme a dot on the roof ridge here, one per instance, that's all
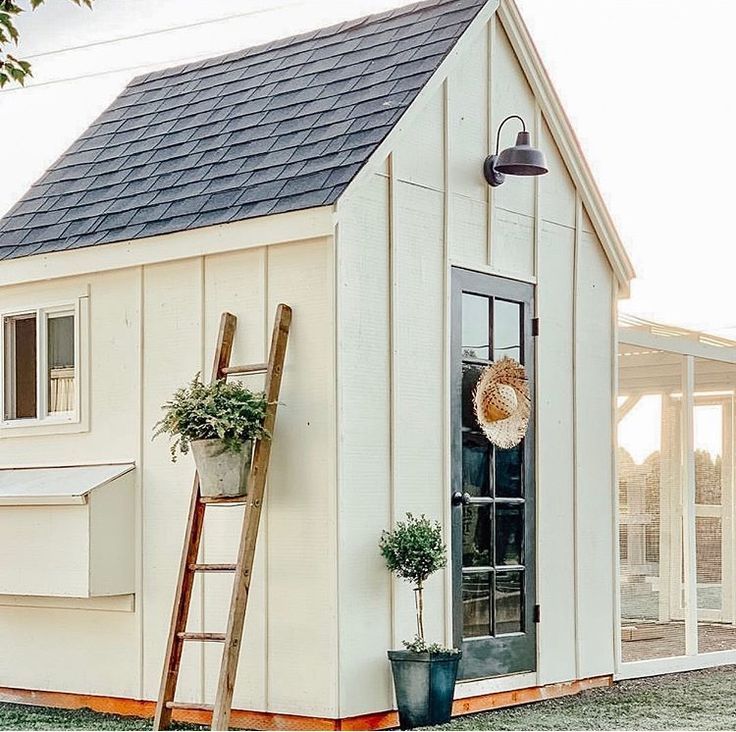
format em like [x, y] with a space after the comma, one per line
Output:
[283, 41]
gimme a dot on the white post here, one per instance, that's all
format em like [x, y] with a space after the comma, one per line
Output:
[688, 508]
[728, 586]
[667, 482]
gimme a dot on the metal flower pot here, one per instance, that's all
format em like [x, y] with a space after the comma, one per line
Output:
[222, 472]
[425, 686]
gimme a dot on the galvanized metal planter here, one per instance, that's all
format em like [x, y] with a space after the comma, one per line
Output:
[222, 472]
[425, 686]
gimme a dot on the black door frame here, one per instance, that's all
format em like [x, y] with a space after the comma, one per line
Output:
[515, 653]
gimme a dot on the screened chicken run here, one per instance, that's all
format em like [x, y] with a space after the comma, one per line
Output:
[677, 534]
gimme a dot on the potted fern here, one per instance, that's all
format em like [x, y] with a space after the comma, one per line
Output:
[424, 674]
[219, 422]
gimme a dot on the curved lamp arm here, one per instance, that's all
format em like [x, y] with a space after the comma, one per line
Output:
[500, 127]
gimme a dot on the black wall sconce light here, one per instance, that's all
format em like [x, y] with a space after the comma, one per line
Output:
[521, 159]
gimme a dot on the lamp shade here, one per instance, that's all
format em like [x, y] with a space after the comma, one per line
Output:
[522, 158]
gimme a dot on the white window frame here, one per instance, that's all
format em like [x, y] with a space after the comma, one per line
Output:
[77, 308]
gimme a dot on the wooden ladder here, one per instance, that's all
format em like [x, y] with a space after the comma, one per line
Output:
[243, 567]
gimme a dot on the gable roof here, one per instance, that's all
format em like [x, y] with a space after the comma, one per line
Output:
[275, 128]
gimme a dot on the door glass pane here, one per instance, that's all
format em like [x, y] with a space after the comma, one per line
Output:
[508, 472]
[476, 465]
[477, 536]
[475, 326]
[20, 367]
[477, 604]
[509, 603]
[506, 330]
[61, 387]
[471, 374]
[509, 534]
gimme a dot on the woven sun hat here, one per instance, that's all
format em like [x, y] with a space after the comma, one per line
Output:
[502, 403]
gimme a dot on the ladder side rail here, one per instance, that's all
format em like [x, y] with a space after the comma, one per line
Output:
[190, 553]
[251, 520]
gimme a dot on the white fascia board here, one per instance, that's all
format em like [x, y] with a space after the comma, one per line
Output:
[312, 223]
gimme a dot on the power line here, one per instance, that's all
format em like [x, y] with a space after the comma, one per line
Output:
[140, 67]
[151, 65]
[145, 34]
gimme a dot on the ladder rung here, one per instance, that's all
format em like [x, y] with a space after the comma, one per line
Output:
[189, 705]
[252, 368]
[204, 637]
[213, 567]
[225, 501]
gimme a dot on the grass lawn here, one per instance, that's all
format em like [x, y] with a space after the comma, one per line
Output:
[701, 700]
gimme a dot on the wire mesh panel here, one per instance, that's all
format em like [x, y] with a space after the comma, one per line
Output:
[650, 468]
[713, 446]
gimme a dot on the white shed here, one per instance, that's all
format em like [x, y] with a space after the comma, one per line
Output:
[340, 172]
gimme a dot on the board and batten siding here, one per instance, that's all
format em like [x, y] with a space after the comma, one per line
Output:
[400, 230]
[151, 329]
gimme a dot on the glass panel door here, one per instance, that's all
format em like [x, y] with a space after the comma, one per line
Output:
[493, 489]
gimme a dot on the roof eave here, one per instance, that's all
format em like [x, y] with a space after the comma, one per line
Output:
[281, 228]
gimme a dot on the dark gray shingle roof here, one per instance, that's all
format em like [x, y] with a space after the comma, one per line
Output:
[276, 128]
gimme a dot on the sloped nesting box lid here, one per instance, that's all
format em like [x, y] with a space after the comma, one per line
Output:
[55, 485]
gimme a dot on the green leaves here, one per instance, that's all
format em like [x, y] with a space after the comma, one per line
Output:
[419, 645]
[11, 68]
[414, 549]
[221, 410]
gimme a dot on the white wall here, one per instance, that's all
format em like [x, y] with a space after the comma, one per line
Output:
[400, 231]
[151, 329]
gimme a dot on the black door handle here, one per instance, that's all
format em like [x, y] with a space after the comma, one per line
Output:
[460, 499]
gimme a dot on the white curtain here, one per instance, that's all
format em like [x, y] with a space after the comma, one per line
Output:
[61, 397]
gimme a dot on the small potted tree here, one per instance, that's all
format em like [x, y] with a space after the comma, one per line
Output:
[219, 421]
[424, 675]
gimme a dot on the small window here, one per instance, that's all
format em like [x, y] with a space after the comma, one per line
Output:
[40, 374]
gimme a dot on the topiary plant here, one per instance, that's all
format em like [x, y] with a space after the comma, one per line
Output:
[413, 551]
[226, 411]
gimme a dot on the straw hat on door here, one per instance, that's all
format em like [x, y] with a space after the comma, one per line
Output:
[502, 403]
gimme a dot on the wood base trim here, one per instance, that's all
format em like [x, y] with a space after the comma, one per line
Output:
[269, 721]
[500, 699]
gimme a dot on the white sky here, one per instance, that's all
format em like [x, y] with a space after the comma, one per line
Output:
[647, 84]
[640, 431]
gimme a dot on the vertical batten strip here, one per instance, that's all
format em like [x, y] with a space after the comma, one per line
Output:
[489, 190]
[538, 205]
[616, 559]
[392, 371]
[264, 527]
[140, 544]
[446, 376]
[337, 444]
[575, 419]
[688, 508]
[203, 539]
